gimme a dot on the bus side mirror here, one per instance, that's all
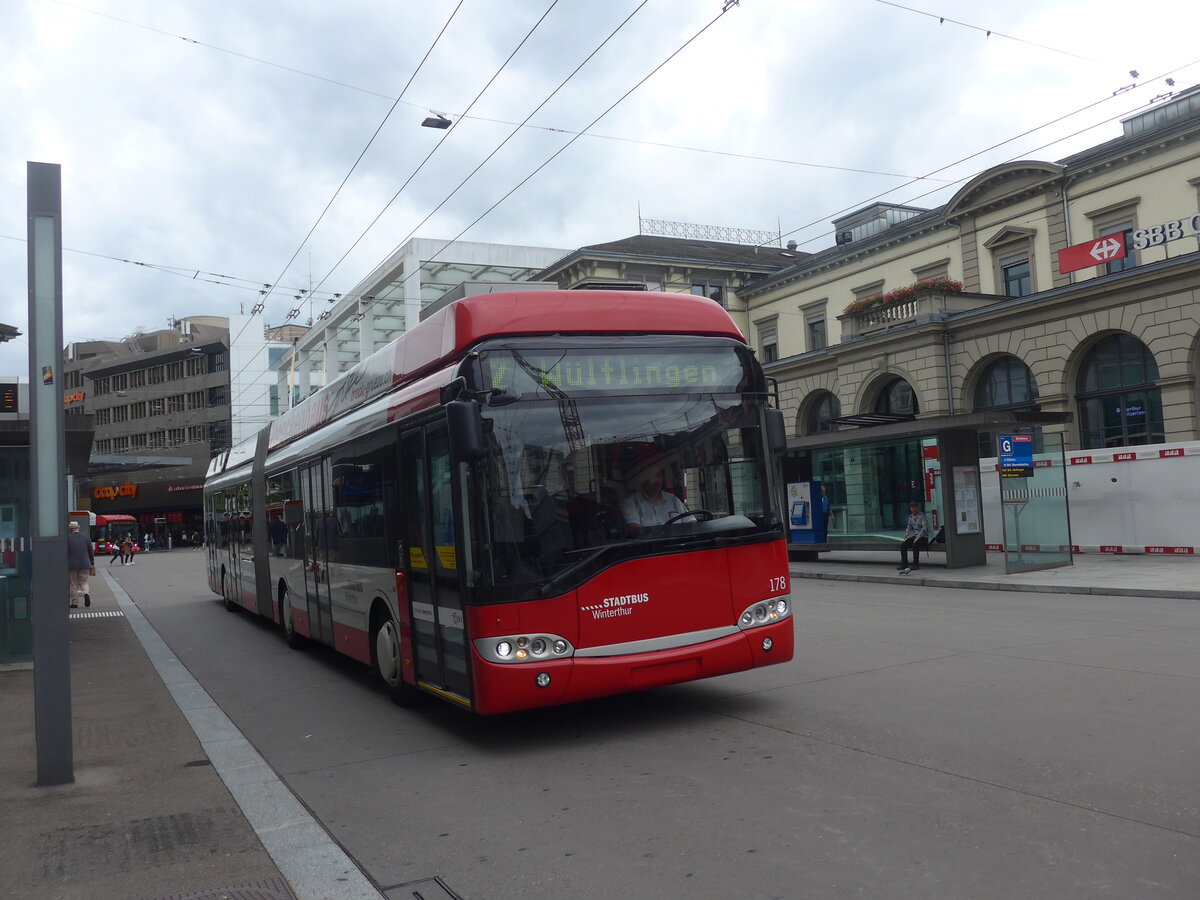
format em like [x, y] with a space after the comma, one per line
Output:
[466, 430]
[777, 431]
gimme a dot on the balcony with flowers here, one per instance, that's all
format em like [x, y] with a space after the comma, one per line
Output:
[906, 305]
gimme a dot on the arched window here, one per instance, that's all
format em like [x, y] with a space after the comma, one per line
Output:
[897, 398]
[1007, 382]
[821, 412]
[1119, 403]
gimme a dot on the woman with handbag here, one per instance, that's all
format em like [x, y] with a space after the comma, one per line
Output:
[80, 563]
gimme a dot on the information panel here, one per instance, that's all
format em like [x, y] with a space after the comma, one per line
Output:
[966, 500]
[1016, 456]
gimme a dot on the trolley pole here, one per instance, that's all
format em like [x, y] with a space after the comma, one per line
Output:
[47, 446]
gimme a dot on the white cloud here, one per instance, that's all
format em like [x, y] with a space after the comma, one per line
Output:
[176, 153]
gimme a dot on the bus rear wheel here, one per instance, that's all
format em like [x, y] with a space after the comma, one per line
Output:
[385, 651]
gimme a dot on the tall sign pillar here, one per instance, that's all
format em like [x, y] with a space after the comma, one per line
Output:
[48, 465]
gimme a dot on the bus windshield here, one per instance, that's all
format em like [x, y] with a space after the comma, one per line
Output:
[669, 455]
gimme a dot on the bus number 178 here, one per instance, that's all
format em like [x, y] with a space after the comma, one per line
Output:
[778, 584]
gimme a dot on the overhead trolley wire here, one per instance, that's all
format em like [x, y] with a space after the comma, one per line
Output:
[989, 32]
[550, 128]
[971, 156]
[727, 6]
[370, 141]
[495, 150]
[438, 145]
[270, 288]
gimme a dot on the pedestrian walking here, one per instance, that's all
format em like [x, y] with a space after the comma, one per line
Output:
[117, 553]
[81, 562]
[127, 551]
[916, 538]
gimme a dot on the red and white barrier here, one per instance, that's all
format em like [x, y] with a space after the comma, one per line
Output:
[1122, 500]
[1103, 548]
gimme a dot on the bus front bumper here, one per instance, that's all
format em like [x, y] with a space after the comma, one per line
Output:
[501, 688]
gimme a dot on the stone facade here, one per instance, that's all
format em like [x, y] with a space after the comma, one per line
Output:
[1000, 236]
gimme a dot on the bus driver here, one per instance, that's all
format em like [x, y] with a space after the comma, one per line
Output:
[650, 505]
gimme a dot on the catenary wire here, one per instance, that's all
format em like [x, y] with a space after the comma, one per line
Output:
[191, 273]
[494, 151]
[430, 154]
[726, 8]
[560, 150]
[437, 146]
[371, 140]
[605, 137]
[381, 95]
[989, 32]
[971, 156]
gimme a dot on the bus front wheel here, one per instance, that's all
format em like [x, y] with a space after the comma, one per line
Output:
[385, 650]
[287, 624]
[226, 592]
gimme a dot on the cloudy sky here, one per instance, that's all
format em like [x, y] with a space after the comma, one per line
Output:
[201, 140]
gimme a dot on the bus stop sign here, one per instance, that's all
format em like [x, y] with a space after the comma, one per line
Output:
[1016, 455]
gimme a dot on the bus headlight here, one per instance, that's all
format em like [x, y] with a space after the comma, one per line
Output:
[764, 613]
[518, 648]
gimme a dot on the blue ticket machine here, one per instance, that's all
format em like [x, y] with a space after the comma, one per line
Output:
[806, 512]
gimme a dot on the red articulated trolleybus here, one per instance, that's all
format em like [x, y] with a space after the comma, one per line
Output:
[456, 510]
[106, 531]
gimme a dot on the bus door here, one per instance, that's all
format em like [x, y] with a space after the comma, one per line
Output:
[430, 560]
[320, 527]
[231, 550]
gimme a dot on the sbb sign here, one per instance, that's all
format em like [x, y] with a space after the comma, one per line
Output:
[1091, 253]
[1157, 235]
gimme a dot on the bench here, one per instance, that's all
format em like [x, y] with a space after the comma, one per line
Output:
[808, 552]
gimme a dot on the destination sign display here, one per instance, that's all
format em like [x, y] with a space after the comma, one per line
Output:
[596, 371]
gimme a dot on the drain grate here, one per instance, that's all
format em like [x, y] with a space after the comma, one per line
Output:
[103, 614]
[113, 848]
[425, 889]
[271, 889]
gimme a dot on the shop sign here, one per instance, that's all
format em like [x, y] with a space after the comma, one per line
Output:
[173, 488]
[112, 492]
[77, 397]
[1156, 235]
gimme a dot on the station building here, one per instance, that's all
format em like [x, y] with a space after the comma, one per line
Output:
[1058, 298]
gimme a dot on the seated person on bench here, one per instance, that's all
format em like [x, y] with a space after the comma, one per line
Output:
[650, 505]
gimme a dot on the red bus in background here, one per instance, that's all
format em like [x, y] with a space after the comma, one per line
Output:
[107, 530]
[452, 511]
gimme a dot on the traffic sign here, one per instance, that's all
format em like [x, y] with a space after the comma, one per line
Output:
[1092, 253]
[1016, 455]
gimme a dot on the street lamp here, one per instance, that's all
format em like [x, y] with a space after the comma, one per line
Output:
[437, 120]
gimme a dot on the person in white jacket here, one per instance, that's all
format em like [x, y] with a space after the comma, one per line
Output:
[916, 538]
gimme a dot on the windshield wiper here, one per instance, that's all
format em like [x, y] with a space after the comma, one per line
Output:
[546, 587]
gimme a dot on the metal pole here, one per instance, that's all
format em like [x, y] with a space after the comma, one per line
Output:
[48, 465]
